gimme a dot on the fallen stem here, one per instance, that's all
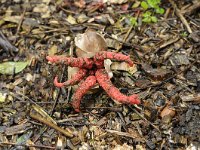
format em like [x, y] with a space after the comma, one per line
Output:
[179, 14]
[6, 45]
[50, 124]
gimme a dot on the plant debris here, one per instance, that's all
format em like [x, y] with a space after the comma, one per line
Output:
[161, 38]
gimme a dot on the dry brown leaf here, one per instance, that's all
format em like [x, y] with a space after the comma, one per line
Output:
[157, 74]
[167, 111]
[89, 43]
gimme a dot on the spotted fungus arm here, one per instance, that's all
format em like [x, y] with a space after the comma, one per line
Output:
[77, 77]
[81, 91]
[100, 56]
[79, 62]
[104, 81]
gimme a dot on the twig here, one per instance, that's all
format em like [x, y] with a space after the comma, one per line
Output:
[6, 45]
[190, 10]
[56, 101]
[70, 119]
[125, 43]
[179, 14]
[58, 95]
[171, 41]
[50, 124]
[124, 40]
[21, 20]
[145, 119]
[125, 134]
[40, 134]
[22, 95]
[68, 11]
[32, 102]
[26, 145]
[114, 109]
[69, 74]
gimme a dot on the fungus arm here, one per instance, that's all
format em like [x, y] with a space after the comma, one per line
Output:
[70, 61]
[81, 91]
[100, 56]
[104, 81]
[77, 77]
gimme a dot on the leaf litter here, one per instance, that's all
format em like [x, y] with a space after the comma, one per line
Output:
[166, 74]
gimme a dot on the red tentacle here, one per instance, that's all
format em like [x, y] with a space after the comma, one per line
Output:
[100, 56]
[112, 91]
[81, 91]
[73, 62]
[75, 79]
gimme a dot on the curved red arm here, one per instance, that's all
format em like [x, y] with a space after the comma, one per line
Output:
[104, 81]
[100, 56]
[81, 91]
[75, 79]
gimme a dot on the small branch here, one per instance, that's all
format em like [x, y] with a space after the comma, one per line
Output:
[155, 127]
[50, 124]
[6, 45]
[190, 10]
[179, 14]
[125, 38]
[125, 43]
[21, 20]
[126, 134]
[171, 41]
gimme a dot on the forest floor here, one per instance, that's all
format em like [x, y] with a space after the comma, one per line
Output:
[163, 40]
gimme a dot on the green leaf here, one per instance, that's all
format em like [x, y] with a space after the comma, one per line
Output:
[10, 67]
[160, 10]
[133, 21]
[154, 19]
[153, 3]
[184, 34]
[136, 4]
[147, 19]
[144, 5]
[146, 14]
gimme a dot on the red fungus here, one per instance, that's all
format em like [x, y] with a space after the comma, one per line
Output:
[93, 66]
